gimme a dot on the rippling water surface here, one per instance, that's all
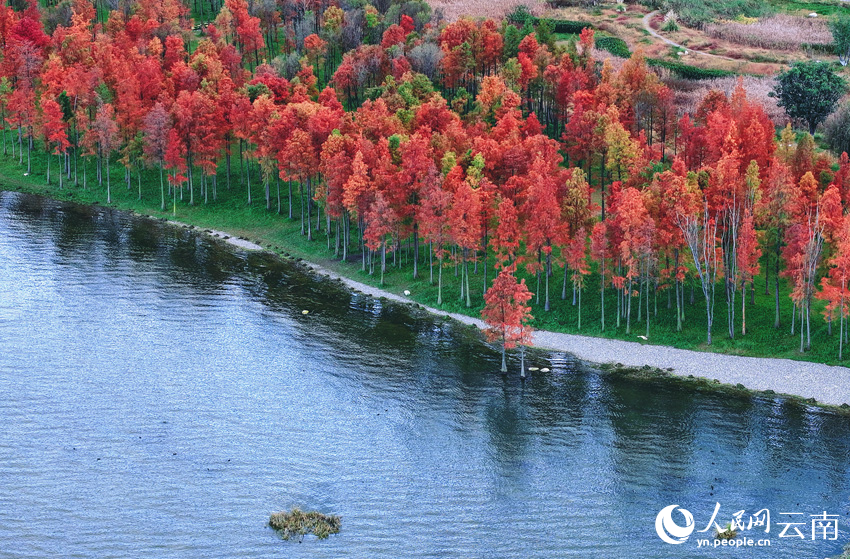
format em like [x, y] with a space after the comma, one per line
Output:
[161, 394]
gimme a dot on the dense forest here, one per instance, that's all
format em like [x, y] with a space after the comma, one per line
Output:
[483, 147]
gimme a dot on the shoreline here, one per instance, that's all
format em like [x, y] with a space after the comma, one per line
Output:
[816, 384]
[828, 385]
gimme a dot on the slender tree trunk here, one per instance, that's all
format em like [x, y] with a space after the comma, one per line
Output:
[841, 332]
[602, 295]
[709, 321]
[383, 261]
[564, 286]
[677, 292]
[547, 273]
[641, 285]
[430, 263]
[301, 200]
[440, 281]
[309, 208]
[161, 187]
[793, 318]
[776, 289]
[808, 326]
[108, 183]
[345, 231]
[647, 302]
[619, 305]
[415, 250]
[336, 240]
[579, 310]
[247, 177]
[191, 179]
[468, 298]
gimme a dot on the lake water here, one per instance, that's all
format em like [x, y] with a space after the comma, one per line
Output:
[161, 394]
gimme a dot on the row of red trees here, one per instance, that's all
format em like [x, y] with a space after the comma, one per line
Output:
[476, 181]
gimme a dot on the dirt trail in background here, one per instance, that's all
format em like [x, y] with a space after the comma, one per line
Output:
[654, 33]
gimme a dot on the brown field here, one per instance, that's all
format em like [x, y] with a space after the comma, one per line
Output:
[453, 9]
[782, 32]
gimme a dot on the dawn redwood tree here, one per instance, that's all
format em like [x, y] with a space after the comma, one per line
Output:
[576, 260]
[748, 260]
[507, 315]
[577, 214]
[335, 166]
[635, 249]
[600, 252]
[832, 217]
[176, 163]
[432, 214]
[156, 128]
[194, 114]
[465, 222]
[728, 195]
[357, 192]
[835, 283]
[772, 213]
[699, 229]
[506, 241]
[804, 245]
[664, 197]
[417, 165]
[55, 134]
[381, 222]
[105, 131]
[543, 226]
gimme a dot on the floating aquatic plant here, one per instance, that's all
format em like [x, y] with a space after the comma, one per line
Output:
[299, 523]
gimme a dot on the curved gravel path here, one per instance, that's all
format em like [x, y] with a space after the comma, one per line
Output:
[827, 384]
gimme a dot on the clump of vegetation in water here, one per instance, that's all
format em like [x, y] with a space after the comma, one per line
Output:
[649, 374]
[299, 523]
[728, 533]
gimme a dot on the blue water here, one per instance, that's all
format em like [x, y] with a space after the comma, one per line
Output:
[162, 394]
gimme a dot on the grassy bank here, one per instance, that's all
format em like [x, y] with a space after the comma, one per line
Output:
[231, 213]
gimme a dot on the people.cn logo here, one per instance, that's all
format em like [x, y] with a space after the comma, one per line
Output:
[667, 528]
